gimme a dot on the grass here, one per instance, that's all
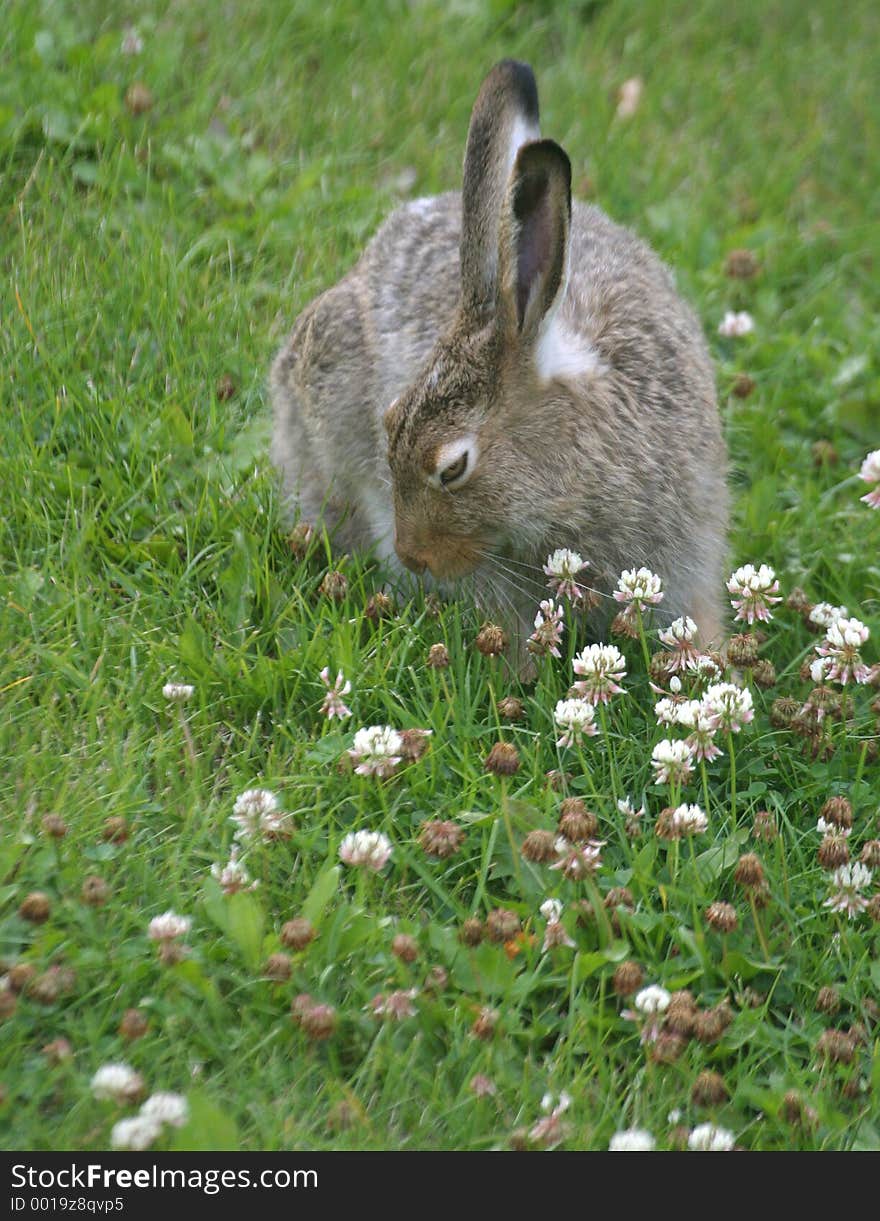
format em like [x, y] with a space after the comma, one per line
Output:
[151, 264]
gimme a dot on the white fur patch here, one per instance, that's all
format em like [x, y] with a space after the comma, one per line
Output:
[422, 206]
[562, 354]
[521, 133]
[377, 508]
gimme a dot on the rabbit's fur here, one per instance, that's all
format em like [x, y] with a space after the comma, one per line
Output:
[537, 345]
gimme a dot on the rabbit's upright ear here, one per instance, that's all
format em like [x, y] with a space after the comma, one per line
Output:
[504, 117]
[533, 238]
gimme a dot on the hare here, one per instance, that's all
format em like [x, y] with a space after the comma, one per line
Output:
[503, 374]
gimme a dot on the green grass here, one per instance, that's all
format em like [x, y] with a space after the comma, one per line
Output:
[146, 257]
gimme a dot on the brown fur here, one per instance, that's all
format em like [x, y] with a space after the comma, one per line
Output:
[623, 462]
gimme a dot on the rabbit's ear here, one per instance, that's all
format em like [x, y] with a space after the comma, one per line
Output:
[533, 238]
[505, 116]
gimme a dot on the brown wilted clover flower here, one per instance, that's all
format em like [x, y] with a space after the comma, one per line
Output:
[576, 822]
[627, 978]
[827, 1000]
[741, 264]
[319, 1022]
[540, 847]
[491, 640]
[54, 826]
[138, 98]
[334, 585]
[35, 907]
[709, 1025]
[870, 854]
[709, 1089]
[471, 932]
[795, 1111]
[764, 674]
[558, 781]
[8, 1003]
[837, 810]
[438, 657]
[134, 1024]
[722, 916]
[836, 1046]
[833, 850]
[824, 453]
[742, 649]
[300, 538]
[115, 829]
[58, 1051]
[798, 601]
[19, 976]
[441, 838]
[749, 871]
[485, 1023]
[784, 712]
[742, 386]
[277, 967]
[298, 933]
[502, 760]
[764, 826]
[224, 387]
[502, 925]
[667, 1047]
[379, 606]
[436, 981]
[680, 1013]
[510, 708]
[95, 891]
[405, 947]
[413, 743]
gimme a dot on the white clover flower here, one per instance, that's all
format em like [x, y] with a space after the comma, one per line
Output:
[824, 614]
[166, 1108]
[693, 715]
[365, 849]
[639, 588]
[839, 652]
[178, 692]
[632, 1140]
[689, 820]
[376, 751]
[578, 861]
[168, 927]
[233, 876]
[652, 1000]
[870, 473]
[728, 707]
[551, 910]
[628, 97]
[117, 1082]
[831, 828]
[132, 43]
[549, 626]
[551, 1131]
[628, 810]
[395, 1005]
[334, 705]
[708, 1137]
[563, 567]
[255, 815]
[679, 639]
[753, 591]
[733, 325]
[672, 761]
[138, 1133]
[848, 881]
[577, 718]
[601, 667]
[666, 711]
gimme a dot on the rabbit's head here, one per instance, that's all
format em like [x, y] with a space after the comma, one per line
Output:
[465, 438]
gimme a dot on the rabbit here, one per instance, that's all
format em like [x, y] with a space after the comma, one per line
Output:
[504, 373]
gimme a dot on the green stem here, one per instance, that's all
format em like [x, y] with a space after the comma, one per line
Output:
[505, 813]
[732, 777]
[646, 653]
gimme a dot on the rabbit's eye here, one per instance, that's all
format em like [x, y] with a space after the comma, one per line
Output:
[455, 470]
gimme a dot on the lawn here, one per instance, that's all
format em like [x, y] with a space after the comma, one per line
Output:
[178, 180]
